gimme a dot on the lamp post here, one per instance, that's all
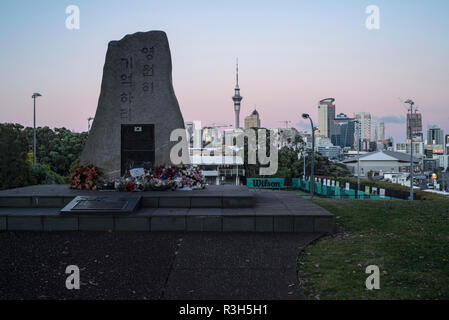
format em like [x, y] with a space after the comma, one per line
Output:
[34, 96]
[411, 147]
[304, 158]
[358, 156]
[312, 176]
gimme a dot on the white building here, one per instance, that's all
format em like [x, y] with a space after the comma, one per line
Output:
[443, 161]
[418, 148]
[379, 132]
[320, 142]
[364, 127]
[398, 178]
[220, 169]
[380, 162]
[326, 116]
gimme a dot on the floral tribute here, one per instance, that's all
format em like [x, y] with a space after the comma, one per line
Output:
[84, 178]
[159, 178]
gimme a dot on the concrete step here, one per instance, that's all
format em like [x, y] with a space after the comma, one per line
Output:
[237, 211]
[58, 196]
[166, 219]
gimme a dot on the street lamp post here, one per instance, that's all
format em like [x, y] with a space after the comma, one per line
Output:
[34, 96]
[304, 158]
[411, 147]
[358, 157]
[312, 175]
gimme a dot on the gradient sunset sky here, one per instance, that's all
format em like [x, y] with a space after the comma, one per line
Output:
[292, 54]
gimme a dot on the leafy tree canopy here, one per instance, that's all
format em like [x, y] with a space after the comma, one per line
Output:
[57, 148]
[15, 170]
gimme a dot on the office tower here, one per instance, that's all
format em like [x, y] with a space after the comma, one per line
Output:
[326, 116]
[189, 129]
[415, 120]
[446, 147]
[435, 135]
[237, 98]
[253, 120]
[379, 132]
[364, 127]
[344, 131]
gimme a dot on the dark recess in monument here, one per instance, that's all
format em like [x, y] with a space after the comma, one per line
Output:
[137, 146]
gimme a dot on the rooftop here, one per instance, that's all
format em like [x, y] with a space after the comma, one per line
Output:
[383, 155]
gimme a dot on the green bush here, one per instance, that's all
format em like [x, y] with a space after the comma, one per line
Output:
[15, 170]
[42, 174]
[75, 165]
[58, 148]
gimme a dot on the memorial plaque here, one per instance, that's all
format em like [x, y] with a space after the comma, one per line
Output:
[102, 205]
[98, 204]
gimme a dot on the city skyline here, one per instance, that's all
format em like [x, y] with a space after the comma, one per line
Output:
[286, 66]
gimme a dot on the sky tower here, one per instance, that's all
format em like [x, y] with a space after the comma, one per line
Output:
[237, 98]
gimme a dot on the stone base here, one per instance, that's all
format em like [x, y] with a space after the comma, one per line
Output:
[246, 211]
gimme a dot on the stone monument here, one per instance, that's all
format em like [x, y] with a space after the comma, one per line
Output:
[137, 108]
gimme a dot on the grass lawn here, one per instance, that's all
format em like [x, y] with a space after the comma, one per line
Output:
[408, 241]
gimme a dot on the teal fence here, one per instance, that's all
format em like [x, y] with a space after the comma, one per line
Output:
[336, 192]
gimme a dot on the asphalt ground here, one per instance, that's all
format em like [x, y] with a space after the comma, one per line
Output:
[151, 266]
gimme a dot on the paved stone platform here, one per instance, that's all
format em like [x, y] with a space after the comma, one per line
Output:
[152, 266]
[272, 211]
[57, 196]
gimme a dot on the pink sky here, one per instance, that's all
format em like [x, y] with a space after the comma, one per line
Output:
[288, 59]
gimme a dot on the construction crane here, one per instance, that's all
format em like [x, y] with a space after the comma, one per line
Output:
[286, 122]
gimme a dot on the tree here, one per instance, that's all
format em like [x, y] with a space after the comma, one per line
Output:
[15, 168]
[291, 163]
[57, 148]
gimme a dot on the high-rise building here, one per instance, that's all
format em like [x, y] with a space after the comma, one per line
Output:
[344, 131]
[253, 120]
[364, 127]
[435, 135]
[415, 120]
[326, 116]
[446, 147]
[189, 130]
[237, 98]
[379, 132]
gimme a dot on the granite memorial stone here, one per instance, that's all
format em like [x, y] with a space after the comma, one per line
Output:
[137, 108]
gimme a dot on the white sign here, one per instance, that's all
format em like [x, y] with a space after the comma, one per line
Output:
[328, 182]
[137, 172]
[382, 193]
[347, 186]
[374, 191]
[333, 183]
